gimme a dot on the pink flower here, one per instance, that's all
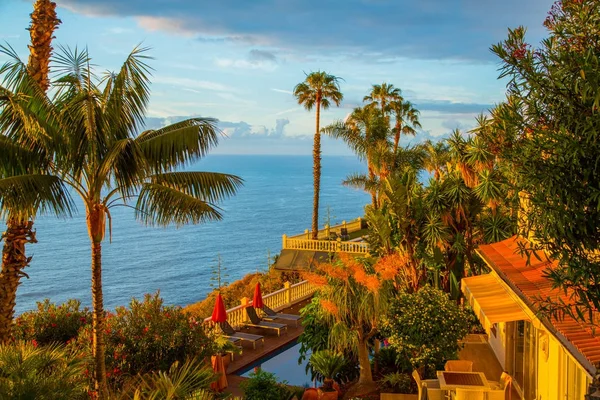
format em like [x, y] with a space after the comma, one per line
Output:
[34, 343]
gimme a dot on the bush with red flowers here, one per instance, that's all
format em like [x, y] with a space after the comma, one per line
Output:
[52, 323]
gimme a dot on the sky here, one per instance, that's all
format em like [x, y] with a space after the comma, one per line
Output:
[239, 60]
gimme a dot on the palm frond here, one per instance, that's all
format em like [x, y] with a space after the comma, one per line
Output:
[178, 144]
[211, 187]
[126, 164]
[16, 159]
[26, 196]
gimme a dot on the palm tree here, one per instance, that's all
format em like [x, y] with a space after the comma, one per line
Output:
[365, 132]
[436, 159]
[318, 90]
[407, 120]
[19, 219]
[41, 30]
[94, 123]
[383, 94]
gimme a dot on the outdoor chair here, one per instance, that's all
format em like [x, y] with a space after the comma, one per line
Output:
[256, 322]
[501, 390]
[344, 234]
[466, 394]
[459, 366]
[271, 315]
[429, 389]
[228, 331]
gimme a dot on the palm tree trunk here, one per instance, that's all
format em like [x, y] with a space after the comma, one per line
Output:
[41, 30]
[365, 377]
[96, 227]
[316, 174]
[397, 137]
[372, 178]
[14, 260]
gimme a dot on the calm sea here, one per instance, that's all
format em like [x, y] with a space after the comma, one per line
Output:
[275, 199]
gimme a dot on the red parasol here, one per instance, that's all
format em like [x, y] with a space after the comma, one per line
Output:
[219, 314]
[257, 301]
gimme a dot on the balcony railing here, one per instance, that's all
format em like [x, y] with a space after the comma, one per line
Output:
[282, 298]
[330, 239]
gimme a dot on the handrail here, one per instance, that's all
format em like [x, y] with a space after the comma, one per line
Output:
[352, 226]
[277, 300]
[330, 246]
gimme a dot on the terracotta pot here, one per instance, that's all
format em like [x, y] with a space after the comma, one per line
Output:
[310, 394]
[328, 395]
[397, 396]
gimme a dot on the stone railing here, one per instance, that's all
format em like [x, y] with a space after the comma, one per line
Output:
[325, 233]
[330, 246]
[278, 300]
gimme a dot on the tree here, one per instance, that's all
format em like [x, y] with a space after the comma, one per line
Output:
[551, 143]
[318, 90]
[365, 132]
[407, 120]
[30, 161]
[383, 94]
[353, 296]
[98, 153]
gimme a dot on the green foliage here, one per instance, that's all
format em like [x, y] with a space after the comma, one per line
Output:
[149, 337]
[190, 381]
[51, 323]
[425, 327]
[263, 385]
[49, 372]
[397, 382]
[547, 131]
[388, 361]
[328, 364]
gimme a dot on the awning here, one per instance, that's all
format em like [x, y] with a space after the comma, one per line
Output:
[490, 301]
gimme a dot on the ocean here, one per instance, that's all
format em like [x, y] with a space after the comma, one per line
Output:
[276, 198]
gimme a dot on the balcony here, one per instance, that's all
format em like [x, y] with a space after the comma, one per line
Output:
[342, 238]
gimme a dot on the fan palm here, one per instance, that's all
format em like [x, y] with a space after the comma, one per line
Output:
[319, 90]
[94, 123]
[382, 95]
[407, 120]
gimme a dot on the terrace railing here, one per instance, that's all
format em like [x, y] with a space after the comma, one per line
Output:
[352, 226]
[278, 300]
[337, 245]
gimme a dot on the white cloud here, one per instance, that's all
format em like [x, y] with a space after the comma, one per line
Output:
[191, 84]
[282, 91]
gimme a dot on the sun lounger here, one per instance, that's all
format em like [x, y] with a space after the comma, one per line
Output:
[256, 322]
[247, 337]
[271, 315]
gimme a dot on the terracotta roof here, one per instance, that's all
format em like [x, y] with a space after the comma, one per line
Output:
[504, 257]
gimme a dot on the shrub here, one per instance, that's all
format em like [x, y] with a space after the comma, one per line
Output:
[48, 372]
[389, 360]
[425, 327]
[397, 382]
[148, 337]
[264, 386]
[328, 364]
[51, 323]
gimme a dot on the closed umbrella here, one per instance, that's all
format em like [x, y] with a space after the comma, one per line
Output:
[257, 301]
[219, 314]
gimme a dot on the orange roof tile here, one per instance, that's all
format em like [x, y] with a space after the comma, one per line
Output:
[505, 258]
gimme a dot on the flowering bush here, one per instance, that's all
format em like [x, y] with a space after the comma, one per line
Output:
[425, 327]
[148, 337]
[51, 323]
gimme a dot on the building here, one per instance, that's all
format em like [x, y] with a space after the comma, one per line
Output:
[548, 359]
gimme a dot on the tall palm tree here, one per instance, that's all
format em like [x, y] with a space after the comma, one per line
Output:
[43, 23]
[407, 120]
[382, 95]
[94, 123]
[19, 220]
[365, 132]
[436, 159]
[318, 90]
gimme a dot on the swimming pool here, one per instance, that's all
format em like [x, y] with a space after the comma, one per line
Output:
[284, 364]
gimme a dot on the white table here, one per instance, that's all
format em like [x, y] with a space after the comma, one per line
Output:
[463, 380]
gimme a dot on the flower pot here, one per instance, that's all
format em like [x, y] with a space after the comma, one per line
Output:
[328, 395]
[310, 394]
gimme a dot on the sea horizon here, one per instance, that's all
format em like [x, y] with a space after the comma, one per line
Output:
[276, 199]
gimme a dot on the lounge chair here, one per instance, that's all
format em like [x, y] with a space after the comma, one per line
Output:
[271, 315]
[244, 337]
[256, 322]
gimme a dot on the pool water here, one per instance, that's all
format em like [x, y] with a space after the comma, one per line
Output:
[284, 364]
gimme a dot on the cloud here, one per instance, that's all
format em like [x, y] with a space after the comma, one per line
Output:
[447, 106]
[370, 30]
[282, 91]
[280, 126]
[193, 84]
[256, 59]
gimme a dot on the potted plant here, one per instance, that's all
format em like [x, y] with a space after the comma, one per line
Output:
[396, 386]
[226, 349]
[328, 364]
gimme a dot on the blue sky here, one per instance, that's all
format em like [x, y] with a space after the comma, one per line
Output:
[238, 60]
